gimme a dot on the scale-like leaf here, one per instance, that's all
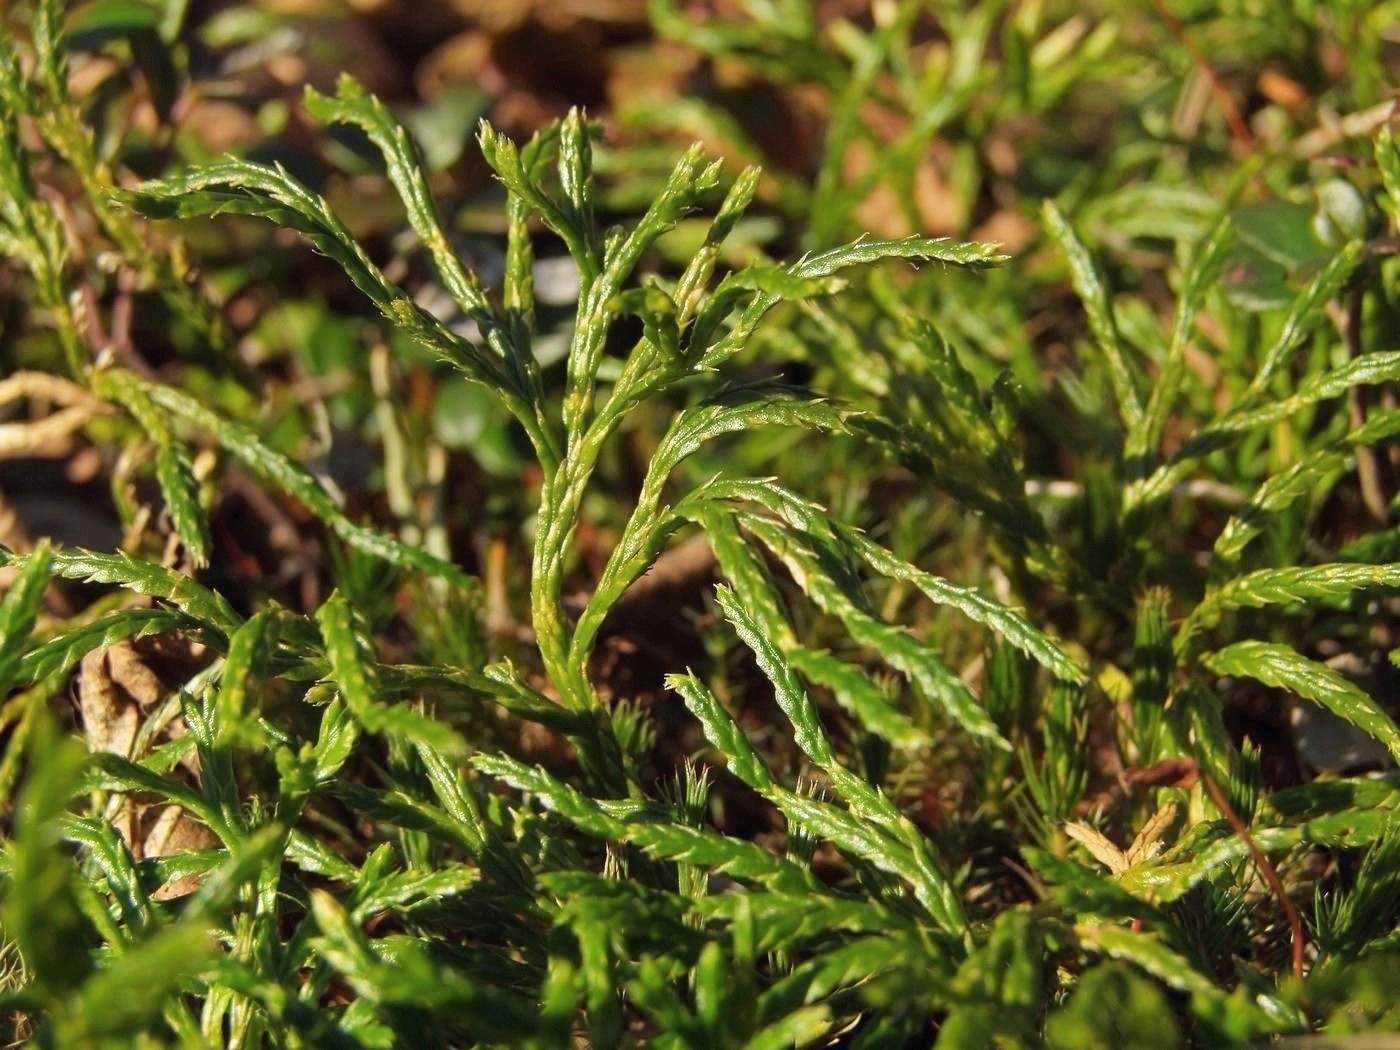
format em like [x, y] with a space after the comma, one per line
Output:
[398, 810]
[352, 104]
[689, 292]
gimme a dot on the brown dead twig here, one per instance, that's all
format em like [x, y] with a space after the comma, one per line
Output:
[31, 436]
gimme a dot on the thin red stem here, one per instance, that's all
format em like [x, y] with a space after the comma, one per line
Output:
[1238, 127]
[1295, 923]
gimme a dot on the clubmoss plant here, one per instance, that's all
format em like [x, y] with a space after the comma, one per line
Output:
[376, 858]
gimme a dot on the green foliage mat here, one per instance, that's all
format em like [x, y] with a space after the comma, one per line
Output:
[1003, 804]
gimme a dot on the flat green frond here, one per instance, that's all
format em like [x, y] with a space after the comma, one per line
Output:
[352, 104]
[1203, 275]
[59, 655]
[576, 171]
[505, 161]
[812, 563]
[855, 691]
[1284, 668]
[243, 188]
[758, 289]
[401, 974]
[1214, 845]
[1307, 312]
[1367, 370]
[864, 252]
[742, 567]
[181, 491]
[723, 731]
[808, 731]
[173, 470]
[1089, 285]
[142, 577]
[111, 772]
[19, 610]
[659, 316]
[690, 289]
[395, 809]
[645, 826]
[249, 650]
[1006, 622]
[742, 409]
[852, 964]
[1291, 586]
[866, 800]
[898, 850]
[112, 856]
[1306, 478]
[352, 673]
[785, 920]
[298, 482]
[811, 276]
[498, 683]
[1388, 162]
[405, 889]
[1146, 951]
